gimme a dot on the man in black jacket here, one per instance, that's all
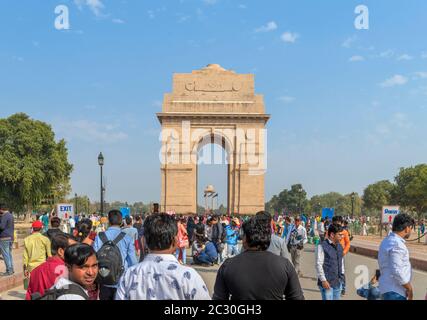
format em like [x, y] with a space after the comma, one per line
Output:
[6, 239]
[218, 236]
[257, 274]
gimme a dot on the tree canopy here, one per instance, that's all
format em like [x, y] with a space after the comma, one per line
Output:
[33, 166]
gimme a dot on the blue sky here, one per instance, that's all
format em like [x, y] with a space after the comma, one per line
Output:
[349, 107]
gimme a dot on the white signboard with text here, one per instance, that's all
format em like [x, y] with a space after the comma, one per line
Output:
[389, 212]
[65, 211]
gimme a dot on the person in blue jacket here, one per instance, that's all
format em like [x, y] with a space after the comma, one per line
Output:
[204, 251]
[232, 237]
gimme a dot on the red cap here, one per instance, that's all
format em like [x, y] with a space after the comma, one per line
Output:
[37, 224]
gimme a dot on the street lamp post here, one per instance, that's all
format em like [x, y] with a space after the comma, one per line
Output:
[75, 204]
[101, 164]
[352, 205]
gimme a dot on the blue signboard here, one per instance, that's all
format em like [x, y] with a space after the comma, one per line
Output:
[328, 213]
[125, 212]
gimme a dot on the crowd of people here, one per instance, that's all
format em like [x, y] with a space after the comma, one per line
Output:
[145, 257]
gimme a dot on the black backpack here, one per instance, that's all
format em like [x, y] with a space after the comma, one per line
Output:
[110, 262]
[54, 293]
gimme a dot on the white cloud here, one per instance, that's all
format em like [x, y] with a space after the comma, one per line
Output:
[401, 121]
[405, 57]
[420, 75]
[290, 37]
[349, 41]
[210, 2]
[424, 55]
[287, 99]
[19, 59]
[356, 59]
[151, 14]
[386, 54]
[183, 18]
[375, 103]
[396, 80]
[96, 6]
[271, 26]
[242, 6]
[90, 131]
[118, 21]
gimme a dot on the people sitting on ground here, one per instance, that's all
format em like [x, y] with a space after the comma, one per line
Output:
[204, 251]
[371, 291]
[45, 275]
[160, 276]
[257, 274]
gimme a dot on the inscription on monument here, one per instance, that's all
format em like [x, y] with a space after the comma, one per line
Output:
[208, 86]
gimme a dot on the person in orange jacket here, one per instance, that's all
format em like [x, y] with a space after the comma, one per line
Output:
[345, 243]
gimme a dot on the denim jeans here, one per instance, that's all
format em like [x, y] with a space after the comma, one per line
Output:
[184, 254]
[392, 296]
[331, 294]
[202, 258]
[232, 250]
[6, 251]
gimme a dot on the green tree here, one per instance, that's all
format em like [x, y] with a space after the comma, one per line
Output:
[411, 189]
[32, 164]
[377, 195]
[292, 201]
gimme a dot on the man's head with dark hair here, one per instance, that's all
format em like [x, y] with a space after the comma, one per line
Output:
[115, 218]
[3, 208]
[128, 221]
[403, 224]
[160, 232]
[59, 243]
[82, 229]
[263, 215]
[335, 232]
[55, 222]
[138, 218]
[82, 264]
[257, 234]
[337, 219]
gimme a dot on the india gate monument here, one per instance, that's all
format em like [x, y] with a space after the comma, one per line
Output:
[213, 105]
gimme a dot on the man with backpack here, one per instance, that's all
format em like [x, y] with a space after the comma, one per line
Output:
[116, 253]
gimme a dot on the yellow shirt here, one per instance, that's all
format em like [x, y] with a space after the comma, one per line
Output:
[36, 250]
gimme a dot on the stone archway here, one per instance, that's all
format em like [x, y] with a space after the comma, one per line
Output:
[220, 106]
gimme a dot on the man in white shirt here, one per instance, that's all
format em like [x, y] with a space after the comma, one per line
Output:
[160, 276]
[72, 224]
[297, 239]
[393, 259]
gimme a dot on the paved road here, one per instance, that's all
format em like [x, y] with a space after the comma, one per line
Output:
[308, 281]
